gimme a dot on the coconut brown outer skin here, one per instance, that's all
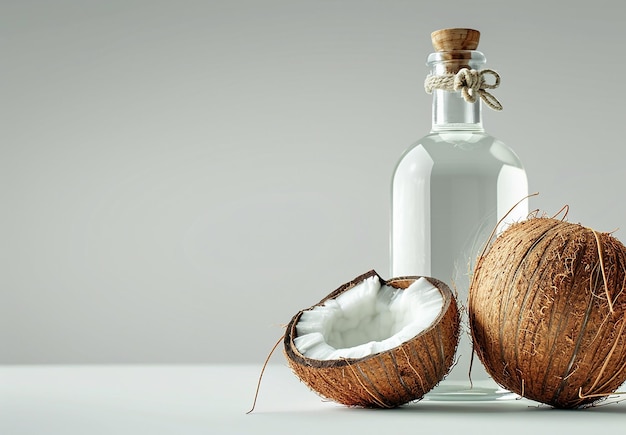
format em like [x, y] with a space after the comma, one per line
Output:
[540, 317]
[387, 379]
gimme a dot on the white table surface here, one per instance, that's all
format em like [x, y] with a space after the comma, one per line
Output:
[213, 399]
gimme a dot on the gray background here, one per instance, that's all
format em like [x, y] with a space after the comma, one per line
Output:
[178, 178]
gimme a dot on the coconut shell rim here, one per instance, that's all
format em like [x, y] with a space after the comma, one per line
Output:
[397, 282]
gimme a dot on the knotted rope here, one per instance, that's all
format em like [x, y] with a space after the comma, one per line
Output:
[470, 82]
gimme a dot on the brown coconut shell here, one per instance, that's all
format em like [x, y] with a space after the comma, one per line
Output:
[386, 379]
[547, 311]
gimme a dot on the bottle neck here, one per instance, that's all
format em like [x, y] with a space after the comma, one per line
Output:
[450, 110]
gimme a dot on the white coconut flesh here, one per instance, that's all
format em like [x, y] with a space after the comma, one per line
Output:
[367, 319]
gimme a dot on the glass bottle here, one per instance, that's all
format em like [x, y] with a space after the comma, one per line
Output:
[449, 191]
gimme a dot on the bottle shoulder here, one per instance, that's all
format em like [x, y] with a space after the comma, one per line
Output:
[470, 147]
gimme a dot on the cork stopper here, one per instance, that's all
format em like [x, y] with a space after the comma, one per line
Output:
[455, 48]
[455, 39]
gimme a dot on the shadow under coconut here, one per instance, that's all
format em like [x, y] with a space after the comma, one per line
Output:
[610, 406]
[511, 407]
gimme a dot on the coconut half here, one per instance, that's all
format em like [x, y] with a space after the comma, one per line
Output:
[375, 343]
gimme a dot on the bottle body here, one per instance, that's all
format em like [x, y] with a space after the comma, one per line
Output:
[449, 191]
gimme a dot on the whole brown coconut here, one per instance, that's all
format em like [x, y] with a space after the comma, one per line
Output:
[547, 312]
[386, 379]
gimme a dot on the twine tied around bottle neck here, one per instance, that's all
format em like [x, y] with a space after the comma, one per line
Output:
[470, 82]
